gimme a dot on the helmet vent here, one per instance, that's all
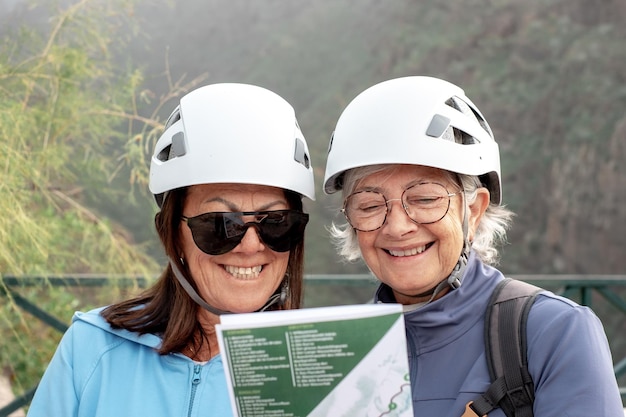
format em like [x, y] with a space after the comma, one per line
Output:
[175, 149]
[330, 143]
[174, 117]
[300, 155]
[178, 145]
[463, 138]
[459, 104]
[457, 135]
[164, 155]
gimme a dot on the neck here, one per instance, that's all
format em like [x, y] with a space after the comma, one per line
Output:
[204, 345]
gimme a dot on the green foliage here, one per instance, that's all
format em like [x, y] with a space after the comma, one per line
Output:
[57, 135]
[64, 105]
[75, 148]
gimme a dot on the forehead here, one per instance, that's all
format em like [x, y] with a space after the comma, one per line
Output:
[403, 176]
[238, 194]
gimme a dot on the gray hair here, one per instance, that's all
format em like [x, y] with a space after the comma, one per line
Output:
[490, 233]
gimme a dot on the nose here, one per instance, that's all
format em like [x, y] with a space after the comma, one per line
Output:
[251, 242]
[393, 199]
[398, 221]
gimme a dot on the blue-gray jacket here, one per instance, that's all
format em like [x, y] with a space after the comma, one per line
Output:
[568, 353]
[101, 372]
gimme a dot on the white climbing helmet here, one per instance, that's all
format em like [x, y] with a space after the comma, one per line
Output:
[232, 133]
[414, 120]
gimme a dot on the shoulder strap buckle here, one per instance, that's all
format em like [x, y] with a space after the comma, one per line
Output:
[470, 412]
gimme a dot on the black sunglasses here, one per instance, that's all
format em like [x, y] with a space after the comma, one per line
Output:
[216, 233]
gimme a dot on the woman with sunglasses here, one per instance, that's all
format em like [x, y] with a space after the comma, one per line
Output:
[420, 174]
[228, 174]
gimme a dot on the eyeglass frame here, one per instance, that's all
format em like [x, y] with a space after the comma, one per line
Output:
[229, 242]
[404, 207]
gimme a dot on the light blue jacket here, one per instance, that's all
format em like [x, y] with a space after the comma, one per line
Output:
[568, 353]
[101, 372]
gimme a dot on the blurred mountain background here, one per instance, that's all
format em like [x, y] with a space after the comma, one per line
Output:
[548, 75]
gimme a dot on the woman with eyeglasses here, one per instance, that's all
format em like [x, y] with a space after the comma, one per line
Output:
[229, 174]
[419, 170]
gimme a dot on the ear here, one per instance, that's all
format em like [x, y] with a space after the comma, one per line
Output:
[477, 210]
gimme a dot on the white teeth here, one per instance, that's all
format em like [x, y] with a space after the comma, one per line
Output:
[409, 252]
[239, 272]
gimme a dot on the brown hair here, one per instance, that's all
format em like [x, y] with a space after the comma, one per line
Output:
[165, 308]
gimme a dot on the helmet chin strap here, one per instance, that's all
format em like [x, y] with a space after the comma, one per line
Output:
[454, 279]
[278, 298]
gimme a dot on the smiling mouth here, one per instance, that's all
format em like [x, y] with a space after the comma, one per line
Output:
[409, 252]
[244, 272]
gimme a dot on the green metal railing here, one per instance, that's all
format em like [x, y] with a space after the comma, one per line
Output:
[579, 288]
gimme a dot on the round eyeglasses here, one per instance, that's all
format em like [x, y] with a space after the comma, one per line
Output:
[424, 203]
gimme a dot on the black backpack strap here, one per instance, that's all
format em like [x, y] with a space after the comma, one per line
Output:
[505, 349]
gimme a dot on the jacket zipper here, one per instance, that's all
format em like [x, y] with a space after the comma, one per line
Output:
[194, 386]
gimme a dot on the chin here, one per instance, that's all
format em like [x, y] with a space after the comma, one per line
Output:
[247, 308]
